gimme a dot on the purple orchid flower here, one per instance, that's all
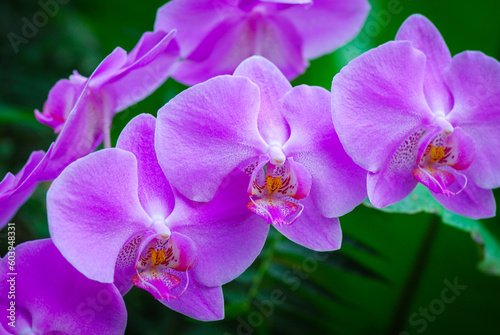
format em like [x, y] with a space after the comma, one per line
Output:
[43, 294]
[408, 112]
[281, 137]
[81, 110]
[114, 216]
[287, 32]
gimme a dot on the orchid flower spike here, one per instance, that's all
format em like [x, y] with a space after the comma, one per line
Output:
[41, 293]
[298, 177]
[408, 112]
[114, 216]
[81, 109]
[287, 32]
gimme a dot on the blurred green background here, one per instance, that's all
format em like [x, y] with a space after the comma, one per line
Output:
[394, 271]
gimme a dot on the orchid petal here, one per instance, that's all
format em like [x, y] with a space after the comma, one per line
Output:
[474, 80]
[211, 127]
[378, 98]
[57, 298]
[199, 302]
[338, 185]
[327, 25]
[473, 201]
[155, 193]
[273, 86]
[15, 190]
[62, 97]
[186, 14]
[150, 63]
[425, 37]
[312, 230]
[227, 235]
[81, 134]
[93, 209]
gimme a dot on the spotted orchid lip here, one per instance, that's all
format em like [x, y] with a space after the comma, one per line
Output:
[274, 190]
[441, 158]
[162, 265]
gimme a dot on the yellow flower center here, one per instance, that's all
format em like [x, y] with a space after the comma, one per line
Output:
[273, 183]
[157, 257]
[437, 153]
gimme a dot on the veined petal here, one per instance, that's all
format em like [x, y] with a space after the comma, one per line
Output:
[327, 24]
[378, 99]
[53, 297]
[273, 85]
[425, 37]
[155, 193]
[93, 209]
[212, 127]
[313, 231]
[338, 185]
[474, 80]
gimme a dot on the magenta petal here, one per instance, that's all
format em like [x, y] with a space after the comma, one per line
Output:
[236, 39]
[52, 297]
[93, 209]
[155, 193]
[312, 230]
[62, 97]
[474, 80]
[378, 99]
[211, 127]
[228, 237]
[338, 184]
[425, 37]
[15, 190]
[81, 134]
[396, 180]
[273, 86]
[186, 14]
[279, 41]
[391, 185]
[148, 66]
[473, 202]
[199, 302]
[436, 181]
[220, 52]
[327, 24]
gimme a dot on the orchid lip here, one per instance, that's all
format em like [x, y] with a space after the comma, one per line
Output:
[277, 157]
